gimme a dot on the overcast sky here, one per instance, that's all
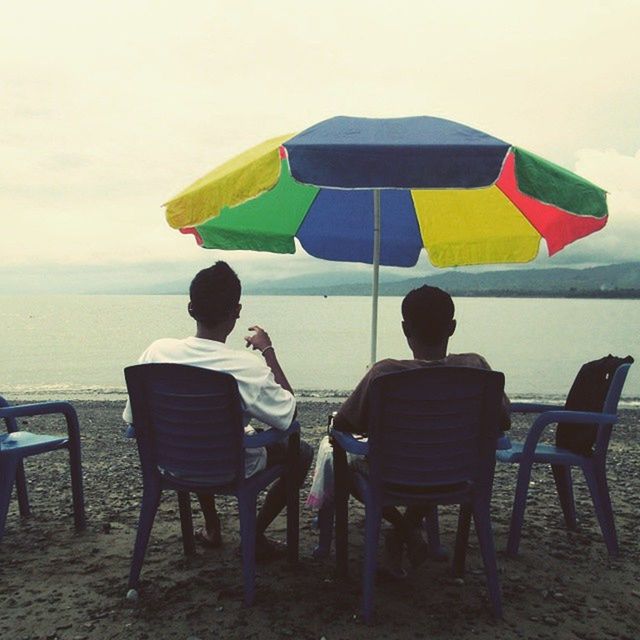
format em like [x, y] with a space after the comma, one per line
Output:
[107, 109]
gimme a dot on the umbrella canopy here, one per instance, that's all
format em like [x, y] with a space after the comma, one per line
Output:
[379, 190]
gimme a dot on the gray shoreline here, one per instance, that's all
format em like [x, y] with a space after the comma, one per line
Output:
[332, 396]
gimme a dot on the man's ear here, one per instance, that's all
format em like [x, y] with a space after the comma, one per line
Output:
[238, 310]
[452, 327]
[405, 329]
[190, 310]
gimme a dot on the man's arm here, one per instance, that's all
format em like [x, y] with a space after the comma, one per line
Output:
[271, 359]
[352, 416]
[261, 341]
[341, 423]
[505, 413]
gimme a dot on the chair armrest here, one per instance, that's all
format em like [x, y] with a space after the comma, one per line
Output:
[583, 417]
[270, 436]
[533, 407]
[349, 443]
[9, 422]
[41, 409]
[553, 417]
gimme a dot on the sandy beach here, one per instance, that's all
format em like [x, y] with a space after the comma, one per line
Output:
[59, 584]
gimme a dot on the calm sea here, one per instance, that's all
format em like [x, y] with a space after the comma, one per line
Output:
[76, 346]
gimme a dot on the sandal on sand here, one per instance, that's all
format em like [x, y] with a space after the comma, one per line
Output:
[267, 550]
[212, 540]
[439, 553]
[393, 548]
[418, 550]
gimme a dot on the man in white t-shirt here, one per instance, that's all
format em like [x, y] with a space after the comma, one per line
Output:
[265, 392]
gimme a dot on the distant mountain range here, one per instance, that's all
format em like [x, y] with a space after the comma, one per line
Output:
[613, 281]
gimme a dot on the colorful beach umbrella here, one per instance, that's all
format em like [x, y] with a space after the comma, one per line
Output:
[378, 191]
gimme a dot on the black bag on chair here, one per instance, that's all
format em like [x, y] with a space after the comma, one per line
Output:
[588, 393]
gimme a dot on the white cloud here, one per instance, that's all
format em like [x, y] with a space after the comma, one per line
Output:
[618, 242]
[620, 175]
[108, 109]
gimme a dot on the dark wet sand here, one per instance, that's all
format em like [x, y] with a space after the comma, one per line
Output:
[58, 584]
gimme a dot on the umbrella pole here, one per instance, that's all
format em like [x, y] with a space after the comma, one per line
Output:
[376, 272]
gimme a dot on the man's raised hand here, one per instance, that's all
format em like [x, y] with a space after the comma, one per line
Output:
[259, 340]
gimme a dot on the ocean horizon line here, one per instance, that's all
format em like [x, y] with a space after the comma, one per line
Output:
[97, 393]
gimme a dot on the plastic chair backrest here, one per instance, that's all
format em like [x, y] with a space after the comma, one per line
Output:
[433, 427]
[615, 389]
[188, 422]
[588, 392]
[611, 406]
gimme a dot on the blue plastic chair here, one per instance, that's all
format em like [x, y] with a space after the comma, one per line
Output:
[15, 445]
[531, 451]
[432, 440]
[188, 426]
[324, 522]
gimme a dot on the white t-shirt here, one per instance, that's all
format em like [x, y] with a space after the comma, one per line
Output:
[261, 396]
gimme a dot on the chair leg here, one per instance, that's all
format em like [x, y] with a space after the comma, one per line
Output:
[373, 518]
[75, 464]
[8, 467]
[612, 544]
[519, 505]
[462, 540]
[325, 527]
[21, 490]
[293, 499]
[186, 523]
[564, 486]
[150, 502]
[599, 489]
[482, 520]
[432, 526]
[247, 508]
[341, 497]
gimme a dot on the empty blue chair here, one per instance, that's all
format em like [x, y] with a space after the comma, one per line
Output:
[15, 445]
[432, 440]
[593, 465]
[188, 426]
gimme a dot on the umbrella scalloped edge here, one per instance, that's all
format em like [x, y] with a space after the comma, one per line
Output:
[238, 180]
[559, 227]
[193, 232]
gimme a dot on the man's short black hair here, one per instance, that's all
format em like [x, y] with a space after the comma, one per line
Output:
[214, 294]
[428, 313]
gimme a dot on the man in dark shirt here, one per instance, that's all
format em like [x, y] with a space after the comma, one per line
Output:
[428, 323]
